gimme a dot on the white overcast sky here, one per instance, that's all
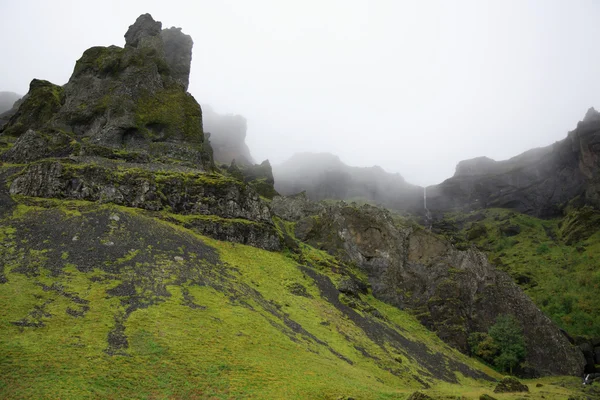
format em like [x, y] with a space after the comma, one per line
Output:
[411, 86]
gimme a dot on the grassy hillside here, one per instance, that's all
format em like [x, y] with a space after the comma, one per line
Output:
[100, 301]
[555, 261]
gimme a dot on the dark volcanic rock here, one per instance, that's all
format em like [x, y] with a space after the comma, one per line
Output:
[178, 52]
[179, 192]
[144, 30]
[34, 145]
[452, 292]
[509, 385]
[538, 182]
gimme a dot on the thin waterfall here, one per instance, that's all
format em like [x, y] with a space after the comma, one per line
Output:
[428, 221]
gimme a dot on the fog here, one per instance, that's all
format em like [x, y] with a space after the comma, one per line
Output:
[413, 87]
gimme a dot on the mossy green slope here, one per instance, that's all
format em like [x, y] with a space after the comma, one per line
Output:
[111, 302]
[555, 261]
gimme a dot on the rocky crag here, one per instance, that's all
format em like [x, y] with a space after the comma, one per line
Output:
[124, 130]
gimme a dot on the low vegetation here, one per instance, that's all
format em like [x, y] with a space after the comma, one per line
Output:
[555, 261]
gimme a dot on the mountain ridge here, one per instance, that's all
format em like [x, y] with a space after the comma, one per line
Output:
[134, 266]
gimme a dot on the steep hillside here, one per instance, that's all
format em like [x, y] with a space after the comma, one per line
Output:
[106, 301]
[133, 267]
[325, 176]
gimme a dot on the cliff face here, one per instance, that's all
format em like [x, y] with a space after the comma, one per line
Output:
[324, 176]
[454, 293]
[539, 182]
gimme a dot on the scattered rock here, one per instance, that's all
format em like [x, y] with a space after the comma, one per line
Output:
[486, 397]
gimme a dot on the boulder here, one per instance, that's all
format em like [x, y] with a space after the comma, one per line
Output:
[509, 385]
[419, 396]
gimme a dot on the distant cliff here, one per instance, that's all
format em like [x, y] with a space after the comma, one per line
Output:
[227, 134]
[325, 176]
[539, 182]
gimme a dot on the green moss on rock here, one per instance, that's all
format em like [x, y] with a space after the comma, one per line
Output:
[42, 102]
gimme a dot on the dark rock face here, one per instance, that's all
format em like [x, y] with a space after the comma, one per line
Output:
[539, 182]
[262, 235]
[324, 176]
[180, 192]
[227, 137]
[452, 292]
[510, 385]
[35, 145]
[144, 30]
[178, 52]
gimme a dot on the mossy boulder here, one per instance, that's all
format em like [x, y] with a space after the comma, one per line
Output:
[419, 396]
[510, 385]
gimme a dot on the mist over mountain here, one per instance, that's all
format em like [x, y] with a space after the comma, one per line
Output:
[324, 176]
[7, 99]
[227, 136]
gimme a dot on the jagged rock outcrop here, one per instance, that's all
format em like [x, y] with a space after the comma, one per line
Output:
[130, 98]
[227, 137]
[539, 182]
[452, 292]
[324, 176]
